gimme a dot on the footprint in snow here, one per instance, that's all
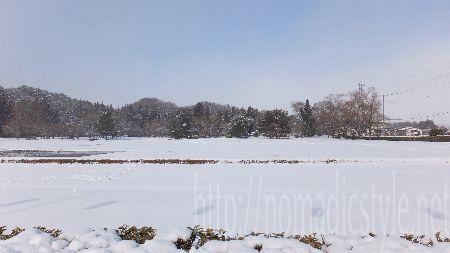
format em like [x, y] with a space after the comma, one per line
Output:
[317, 212]
[100, 205]
[18, 202]
[203, 210]
[435, 214]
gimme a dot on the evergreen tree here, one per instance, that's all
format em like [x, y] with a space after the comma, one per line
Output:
[253, 114]
[106, 126]
[181, 124]
[308, 120]
[140, 116]
[5, 110]
[275, 124]
[202, 119]
[438, 131]
[242, 126]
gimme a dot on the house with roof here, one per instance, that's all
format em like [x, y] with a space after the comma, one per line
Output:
[410, 131]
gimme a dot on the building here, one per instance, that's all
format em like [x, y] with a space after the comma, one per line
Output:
[410, 131]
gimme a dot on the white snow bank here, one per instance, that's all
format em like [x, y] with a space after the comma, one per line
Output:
[102, 241]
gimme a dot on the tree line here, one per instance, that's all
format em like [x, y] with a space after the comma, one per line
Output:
[27, 112]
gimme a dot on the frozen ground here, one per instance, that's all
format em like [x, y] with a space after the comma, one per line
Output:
[395, 188]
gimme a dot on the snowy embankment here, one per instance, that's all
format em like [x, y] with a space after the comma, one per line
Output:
[180, 241]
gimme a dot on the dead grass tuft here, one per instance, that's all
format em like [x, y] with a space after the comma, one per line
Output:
[139, 235]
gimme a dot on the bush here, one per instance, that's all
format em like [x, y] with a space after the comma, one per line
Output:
[13, 233]
[275, 124]
[242, 126]
[181, 125]
[437, 131]
[139, 235]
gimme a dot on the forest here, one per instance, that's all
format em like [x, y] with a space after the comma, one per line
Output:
[27, 112]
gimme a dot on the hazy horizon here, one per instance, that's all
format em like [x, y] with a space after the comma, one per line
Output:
[265, 54]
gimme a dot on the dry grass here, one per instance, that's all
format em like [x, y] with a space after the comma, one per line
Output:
[13, 233]
[139, 235]
[443, 138]
[167, 161]
[200, 236]
[51, 232]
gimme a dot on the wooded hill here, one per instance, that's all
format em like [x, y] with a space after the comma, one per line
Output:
[27, 112]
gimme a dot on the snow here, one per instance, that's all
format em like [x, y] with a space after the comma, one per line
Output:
[302, 198]
[247, 149]
[34, 240]
[393, 188]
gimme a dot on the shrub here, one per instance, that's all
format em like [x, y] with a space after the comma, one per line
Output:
[275, 124]
[139, 235]
[13, 233]
[437, 131]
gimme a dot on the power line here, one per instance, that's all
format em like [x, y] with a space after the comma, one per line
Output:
[420, 87]
[424, 96]
[422, 117]
[410, 76]
[431, 115]
[431, 84]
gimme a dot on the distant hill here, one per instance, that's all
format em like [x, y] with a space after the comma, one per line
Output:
[33, 112]
[66, 108]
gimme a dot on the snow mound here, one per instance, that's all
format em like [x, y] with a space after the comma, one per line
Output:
[102, 241]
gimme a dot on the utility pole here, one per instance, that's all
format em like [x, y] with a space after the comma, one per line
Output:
[360, 86]
[383, 108]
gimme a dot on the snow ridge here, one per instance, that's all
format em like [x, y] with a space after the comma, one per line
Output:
[104, 241]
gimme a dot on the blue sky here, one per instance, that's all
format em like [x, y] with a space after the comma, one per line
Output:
[261, 53]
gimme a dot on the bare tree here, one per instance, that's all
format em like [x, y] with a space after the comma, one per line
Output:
[363, 111]
[357, 115]
[330, 115]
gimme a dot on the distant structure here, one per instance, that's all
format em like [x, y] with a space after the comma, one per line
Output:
[388, 130]
[412, 131]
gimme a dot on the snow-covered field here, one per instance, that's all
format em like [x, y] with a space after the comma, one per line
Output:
[388, 188]
[253, 148]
